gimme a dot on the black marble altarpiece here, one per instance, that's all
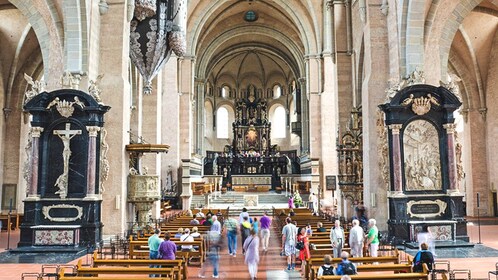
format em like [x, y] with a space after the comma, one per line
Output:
[423, 192]
[66, 163]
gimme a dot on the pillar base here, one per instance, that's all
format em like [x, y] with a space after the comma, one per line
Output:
[454, 192]
[395, 194]
[92, 197]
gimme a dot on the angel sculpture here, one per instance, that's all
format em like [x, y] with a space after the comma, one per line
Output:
[36, 88]
[93, 88]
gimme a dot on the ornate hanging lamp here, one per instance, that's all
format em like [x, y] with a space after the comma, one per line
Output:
[154, 35]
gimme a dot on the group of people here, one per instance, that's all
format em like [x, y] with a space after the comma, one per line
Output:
[296, 241]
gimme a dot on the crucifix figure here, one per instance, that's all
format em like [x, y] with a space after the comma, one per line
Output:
[66, 136]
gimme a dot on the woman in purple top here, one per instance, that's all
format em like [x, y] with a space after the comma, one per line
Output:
[251, 247]
[167, 249]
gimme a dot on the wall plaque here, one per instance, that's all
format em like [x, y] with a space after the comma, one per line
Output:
[426, 208]
[62, 212]
[330, 182]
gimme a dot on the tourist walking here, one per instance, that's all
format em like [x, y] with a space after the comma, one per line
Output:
[243, 214]
[304, 253]
[255, 225]
[356, 238]
[245, 230]
[167, 249]
[373, 238]
[251, 247]
[213, 254]
[265, 223]
[231, 227]
[289, 233]
[337, 238]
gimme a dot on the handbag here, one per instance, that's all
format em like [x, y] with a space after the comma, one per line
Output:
[300, 245]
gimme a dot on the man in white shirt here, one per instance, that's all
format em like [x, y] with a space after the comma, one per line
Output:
[289, 234]
[186, 237]
[356, 238]
[337, 238]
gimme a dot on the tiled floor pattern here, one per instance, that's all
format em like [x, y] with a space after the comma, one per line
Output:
[272, 265]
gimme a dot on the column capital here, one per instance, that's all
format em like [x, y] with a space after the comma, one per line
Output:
[92, 131]
[36, 131]
[450, 128]
[395, 128]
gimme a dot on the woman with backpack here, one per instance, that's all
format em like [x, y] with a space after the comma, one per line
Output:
[423, 256]
[304, 252]
[326, 268]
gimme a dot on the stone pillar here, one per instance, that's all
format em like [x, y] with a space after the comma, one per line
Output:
[396, 155]
[35, 155]
[452, 169]
[114, 62]
[92, 160]
[376, 69]
[200, 85]
[305, 142]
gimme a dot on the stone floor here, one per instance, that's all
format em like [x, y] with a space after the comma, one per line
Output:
[479, 260]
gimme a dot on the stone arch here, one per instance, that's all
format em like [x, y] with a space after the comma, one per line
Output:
[305, 28]
[256, 30]
[441, 36]
[48, 29]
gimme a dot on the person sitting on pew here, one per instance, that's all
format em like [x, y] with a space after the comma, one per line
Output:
[345, 267]
[195, 232]
[216, 225]
[207, 221]
[320, 227]
[423, 256]
[187, 237]
[326, 268]
[179, 233]
[194, 221]
[292, 213]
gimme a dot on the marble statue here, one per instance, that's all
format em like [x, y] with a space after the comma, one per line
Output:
[66, 136]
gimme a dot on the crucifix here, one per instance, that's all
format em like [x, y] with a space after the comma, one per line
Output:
[66, 136]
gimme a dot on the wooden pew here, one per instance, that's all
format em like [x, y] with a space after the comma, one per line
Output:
[319, 261]
[397, 268]
[62, 276]
[384, 276]
[173, 271]
[181, 264]
[139, 249]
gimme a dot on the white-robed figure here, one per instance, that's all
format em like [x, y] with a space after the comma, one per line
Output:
[356, 239]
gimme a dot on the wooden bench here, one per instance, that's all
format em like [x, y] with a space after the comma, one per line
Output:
[313, 261]
[171, 272]
[181, 264]
[397, 268]
[384, 276]
[139, 249]
[62, 276]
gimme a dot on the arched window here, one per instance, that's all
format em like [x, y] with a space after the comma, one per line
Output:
[278, 123]
[277, 91]
[222, 123]
[225, 92]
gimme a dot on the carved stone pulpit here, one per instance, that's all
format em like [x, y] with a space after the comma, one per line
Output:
[65, 170]
[423, 192]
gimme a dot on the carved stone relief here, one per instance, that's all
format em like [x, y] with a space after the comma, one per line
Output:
[421, 157]
[383, 148]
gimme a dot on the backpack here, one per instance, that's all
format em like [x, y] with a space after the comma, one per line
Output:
[328, 270]
[347, 268]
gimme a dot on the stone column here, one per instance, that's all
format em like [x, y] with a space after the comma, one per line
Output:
[452, 174]
[200, 85]
[305, 141]
[92, 160]
[396, 155]
[35, 155]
